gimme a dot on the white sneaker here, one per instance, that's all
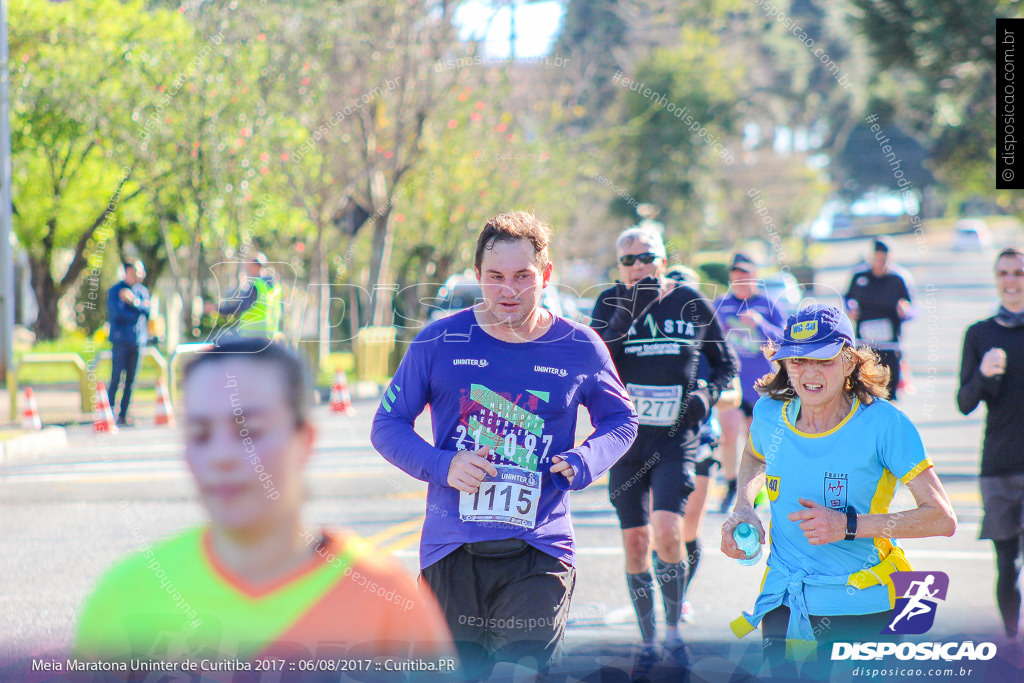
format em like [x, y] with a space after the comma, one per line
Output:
[686, 614]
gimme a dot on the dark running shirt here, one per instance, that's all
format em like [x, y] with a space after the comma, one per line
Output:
[1003, 449]
[663, 347]
[878, 322]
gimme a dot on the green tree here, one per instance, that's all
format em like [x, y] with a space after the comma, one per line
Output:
[70, 78]
[936, 64]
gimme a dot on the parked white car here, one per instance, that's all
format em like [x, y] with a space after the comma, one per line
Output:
[971, 234]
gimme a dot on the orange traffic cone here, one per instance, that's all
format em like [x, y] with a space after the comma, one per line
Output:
[164, 413]
[341, 400]
[103, 416]
[30, 418]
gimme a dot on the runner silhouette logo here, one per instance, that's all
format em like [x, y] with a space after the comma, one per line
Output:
[918, 595]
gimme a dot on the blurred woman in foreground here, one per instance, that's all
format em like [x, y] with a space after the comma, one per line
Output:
[255, 582]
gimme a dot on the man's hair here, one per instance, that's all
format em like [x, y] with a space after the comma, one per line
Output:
[512, 227]
[1009, 251]
[259, 350]
[644, 236]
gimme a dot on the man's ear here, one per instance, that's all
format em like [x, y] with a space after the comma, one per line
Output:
[547, 273]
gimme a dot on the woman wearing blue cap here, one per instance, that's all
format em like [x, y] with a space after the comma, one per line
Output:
[830, 450]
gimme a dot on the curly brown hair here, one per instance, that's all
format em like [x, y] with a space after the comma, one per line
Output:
[511, 227]
[869, 379]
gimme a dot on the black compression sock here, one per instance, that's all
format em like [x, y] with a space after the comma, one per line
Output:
[692, 560]
[641, 593]
[672, 579]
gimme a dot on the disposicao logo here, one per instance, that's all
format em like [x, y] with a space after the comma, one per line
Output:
[917, 596]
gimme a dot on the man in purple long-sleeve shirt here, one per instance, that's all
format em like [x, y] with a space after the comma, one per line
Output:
[504, 380]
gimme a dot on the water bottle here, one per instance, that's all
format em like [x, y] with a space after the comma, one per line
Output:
[746, 538]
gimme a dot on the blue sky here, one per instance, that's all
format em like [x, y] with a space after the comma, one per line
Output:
[536, 26]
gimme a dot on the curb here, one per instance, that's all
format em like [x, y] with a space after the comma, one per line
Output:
[32, 444]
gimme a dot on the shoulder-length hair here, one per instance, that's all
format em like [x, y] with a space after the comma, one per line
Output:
[869, 379]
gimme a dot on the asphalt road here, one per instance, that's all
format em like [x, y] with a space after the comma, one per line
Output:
[66, 517]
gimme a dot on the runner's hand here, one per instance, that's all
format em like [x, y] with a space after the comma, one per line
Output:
[993, 362]
[469, 468]
[741, 513]
[646, 291]
[698, 404]
[562, 466]
[820, 524]
[903, 309]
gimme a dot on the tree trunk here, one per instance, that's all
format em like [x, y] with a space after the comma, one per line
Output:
[47, 326]
[380, 266]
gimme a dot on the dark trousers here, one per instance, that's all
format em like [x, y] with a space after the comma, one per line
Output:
[124, 358]
[891, 360]
[508, 609]
[827, 630]
[1008, 567]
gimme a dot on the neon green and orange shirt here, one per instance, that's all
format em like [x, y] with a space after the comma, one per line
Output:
[177, 601]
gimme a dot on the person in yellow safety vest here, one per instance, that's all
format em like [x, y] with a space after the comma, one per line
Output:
[256, 305]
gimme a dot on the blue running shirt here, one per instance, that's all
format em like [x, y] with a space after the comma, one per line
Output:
[859, 463]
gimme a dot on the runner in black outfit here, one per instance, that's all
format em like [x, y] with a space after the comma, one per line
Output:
[657, 329]
[992, 370]
[879, 302]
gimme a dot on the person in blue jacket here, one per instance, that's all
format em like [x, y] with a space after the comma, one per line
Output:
[128, 313]
[504, 380]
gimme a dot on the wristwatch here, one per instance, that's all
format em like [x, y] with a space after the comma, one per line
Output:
[851, 523]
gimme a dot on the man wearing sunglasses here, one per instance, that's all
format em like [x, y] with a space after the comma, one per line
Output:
[657, 330]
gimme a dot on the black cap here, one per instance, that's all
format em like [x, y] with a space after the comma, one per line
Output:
[881, 244]
[742, 262]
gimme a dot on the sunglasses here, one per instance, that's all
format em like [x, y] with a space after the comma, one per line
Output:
[630, 259]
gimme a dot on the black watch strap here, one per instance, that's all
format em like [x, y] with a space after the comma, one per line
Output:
[851, 523]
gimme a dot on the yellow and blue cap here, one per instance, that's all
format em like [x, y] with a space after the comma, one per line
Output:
[816, 331]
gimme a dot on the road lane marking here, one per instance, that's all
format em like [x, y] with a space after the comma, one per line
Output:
[396, 530]
[404, 542]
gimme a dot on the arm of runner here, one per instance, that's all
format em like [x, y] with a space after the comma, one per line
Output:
[722, 360]
[773, 325]
[615, 426]
[974, 384]
[612, 316]
[902, 453]
[469, 468]
[749, 481]
[393, 433]
[905, 307]
[933, 516]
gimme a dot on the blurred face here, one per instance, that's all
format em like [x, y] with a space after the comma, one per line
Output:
[1010, 282]
[880, 262]
[131, 275]
[742, 283]
[639, 270]
[252, 269]
[242, 445]
[511, 282]
[819, 383]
